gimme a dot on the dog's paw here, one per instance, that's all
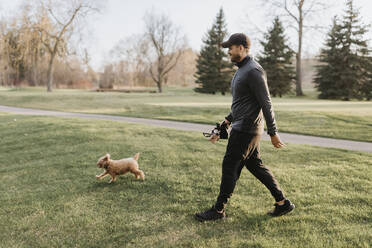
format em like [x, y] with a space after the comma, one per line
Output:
[99, 177]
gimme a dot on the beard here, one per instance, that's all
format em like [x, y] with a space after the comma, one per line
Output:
[235, 58]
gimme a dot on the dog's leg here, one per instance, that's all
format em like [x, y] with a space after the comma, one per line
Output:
[139, 174]
[113, 179]
[102, 175]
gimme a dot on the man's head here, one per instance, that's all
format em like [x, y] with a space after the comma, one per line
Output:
[238, 45]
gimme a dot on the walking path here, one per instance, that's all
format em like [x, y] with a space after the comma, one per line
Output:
[286, 137]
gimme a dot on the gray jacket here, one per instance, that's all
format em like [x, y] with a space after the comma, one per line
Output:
[251, 99]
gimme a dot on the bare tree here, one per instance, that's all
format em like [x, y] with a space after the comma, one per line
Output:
[24, 41]
[20, 47]
[107, 78]
[183, 73]
[299, 11]
[57, 22]
[33, 43]
[132, 51]
[166, 46]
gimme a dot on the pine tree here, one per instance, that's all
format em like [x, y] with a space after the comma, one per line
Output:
[276, 60]
[347, 60]
[214, 71]
[355, 52]
[367, 86]
[328, 76]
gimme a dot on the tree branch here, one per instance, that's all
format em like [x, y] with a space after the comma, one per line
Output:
[152, 74]
[289, 12]
[174, 64]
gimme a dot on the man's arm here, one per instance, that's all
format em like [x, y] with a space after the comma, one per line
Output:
[260, 89]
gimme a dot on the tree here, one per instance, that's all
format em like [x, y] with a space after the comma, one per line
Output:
[347, 60]
[13, 52]
[57, 22]
[328, 73]
[299, 11]
[214, 70]
[367, 86]
[33, 46]
[355, 53]
[24, 56]
[133, 51]
[21, 48]
[165, 48]
[276, 60]
[183, 73]
[107, 78]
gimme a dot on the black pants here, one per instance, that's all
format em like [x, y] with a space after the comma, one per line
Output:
[243, 149]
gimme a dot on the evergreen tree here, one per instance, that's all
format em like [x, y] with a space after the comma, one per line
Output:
[328, 76]
[355, 52]
[347, 60]
[214, 70]
[276, 60]
[367, 86]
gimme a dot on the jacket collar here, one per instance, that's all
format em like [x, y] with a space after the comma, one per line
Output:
[243, 61]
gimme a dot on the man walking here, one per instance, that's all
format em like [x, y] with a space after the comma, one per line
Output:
[251, 102]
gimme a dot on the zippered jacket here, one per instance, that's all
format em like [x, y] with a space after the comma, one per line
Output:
[251, 99]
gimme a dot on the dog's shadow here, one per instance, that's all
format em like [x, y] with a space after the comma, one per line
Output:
[130, 183]
[120, 183]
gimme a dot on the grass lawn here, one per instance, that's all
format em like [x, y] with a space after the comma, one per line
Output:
[305, 115]
[50, 197]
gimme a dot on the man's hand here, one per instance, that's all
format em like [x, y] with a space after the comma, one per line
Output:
[214, 137]
[227, 122]
[275, 140]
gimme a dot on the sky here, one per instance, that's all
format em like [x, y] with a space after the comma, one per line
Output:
[122, 18]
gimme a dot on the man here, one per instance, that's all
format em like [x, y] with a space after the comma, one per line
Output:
[251, 100]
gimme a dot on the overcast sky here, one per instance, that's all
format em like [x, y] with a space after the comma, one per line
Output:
[122, 18]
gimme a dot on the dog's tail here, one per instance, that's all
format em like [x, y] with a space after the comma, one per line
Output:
[136, 156]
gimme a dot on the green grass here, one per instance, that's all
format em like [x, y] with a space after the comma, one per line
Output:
[50, 197]
[304, 115]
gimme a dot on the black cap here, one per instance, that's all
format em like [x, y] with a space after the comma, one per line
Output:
[237, 39]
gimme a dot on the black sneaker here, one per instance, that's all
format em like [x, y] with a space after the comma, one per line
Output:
[280, 210]
[210, 214]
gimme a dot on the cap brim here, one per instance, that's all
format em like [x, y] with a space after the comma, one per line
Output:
[225, 44]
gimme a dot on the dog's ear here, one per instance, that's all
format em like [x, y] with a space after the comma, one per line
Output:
[107, 157]
[136, 156]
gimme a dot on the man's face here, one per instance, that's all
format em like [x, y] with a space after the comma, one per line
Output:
[235, 53]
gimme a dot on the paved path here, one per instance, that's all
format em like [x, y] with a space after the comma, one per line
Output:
[286, 137]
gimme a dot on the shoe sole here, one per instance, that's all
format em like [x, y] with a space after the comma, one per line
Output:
[202, 220]
[292, 206]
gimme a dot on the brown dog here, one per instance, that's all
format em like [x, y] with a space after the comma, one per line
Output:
[119, 167]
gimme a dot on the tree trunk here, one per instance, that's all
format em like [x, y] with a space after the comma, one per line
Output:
[159, 84]
[34, 79]
[160, 90]
[299, 57]
[160, 80]
[298, 75]
[50, 73]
